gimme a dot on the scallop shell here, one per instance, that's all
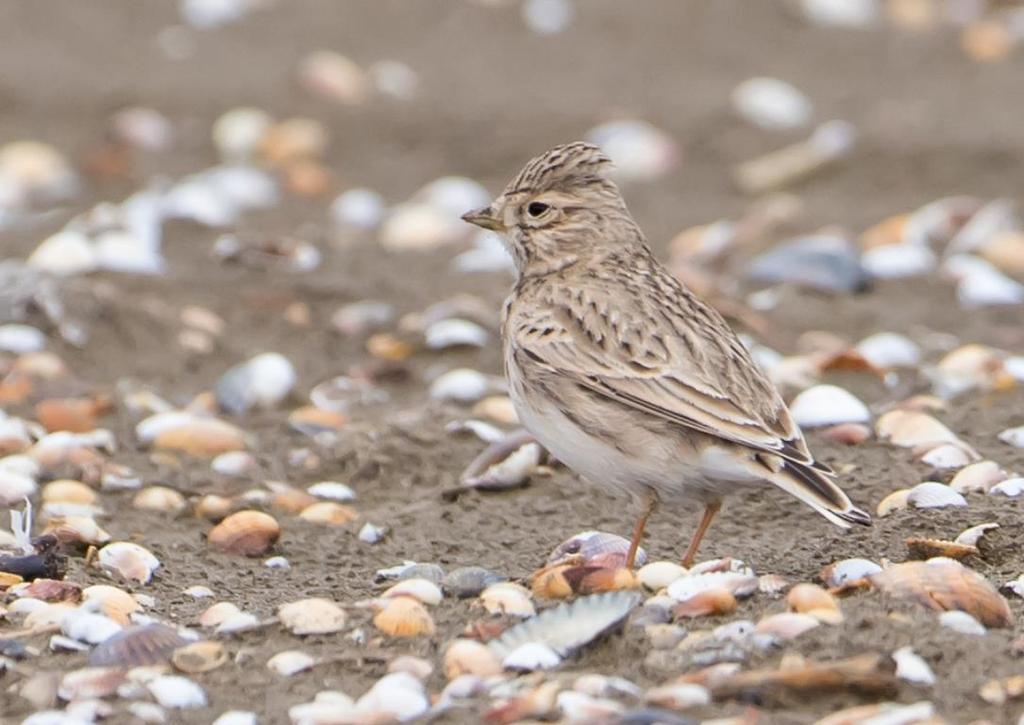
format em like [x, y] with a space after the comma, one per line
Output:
[944, 584]
[251, 533]
[128, 560]
[595, 548]
[90, 682]
[931, 494]
[88, 627]
[148, 644]
[69, 491]
[921, 548]
[217, 613]
[312, 616]
[404, 617]
[469, 657]
[569, 626]
[946, 456]
[908, 429]
[198, 657]
[706, 602]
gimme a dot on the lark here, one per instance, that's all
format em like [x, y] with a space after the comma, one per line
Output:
[620, 371]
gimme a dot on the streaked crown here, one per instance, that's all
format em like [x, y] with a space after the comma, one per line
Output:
[563, 167]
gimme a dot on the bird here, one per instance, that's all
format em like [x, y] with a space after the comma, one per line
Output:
[621, 372]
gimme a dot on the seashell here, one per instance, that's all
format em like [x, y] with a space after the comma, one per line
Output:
[887, 350]
[128, 560]
[217, 613]
[461, 385]
[418, 667]
[444, 334]
[659, 574]
[404, 616]
[236, 717]
[909, 429]
[971, 536]
[978, 477]
[251, 533]
[422, 590]
[771, 104]
[418, 226]
[944, 584]
[176, 693]
[507, 598]
[290, 662]
[678, 696]
[827, 405]
[104, 595]
[946, 456]
[293, 139]
[847, 571]
[498, 408]
[849, 434]
[638, 150]
[469, 657]
[595, 548]
[332, 491]
[738, 584]
[738, 631]
[48, 590]
[60, 643]
[840, 13]
[329, 513]
[786, 625]
[277, 562]
[199, 437]
[15, 487]
[396, 697]
[289, 498]
[912, 668]
[772, 584]
[962, 622]
[372, 534]
[547, 17]
[241, 622]
[997, 692]
[706, 602]
[68, 491]
[510, 471]
[334, 77]
[261, 382]
[931, 494]
[90, 682]
[825, 262]
[159, 498]
[469, 581]
[970, 367]
[815, 601]
[78, 415]
[1013, 436]
[148, 644]
[198, 591]
[312, 616]
[895, 501]
[569, 626]
[238, 133]
[358, 209]
[213, 508]
[1012, 487]
[531, 656]
[578, 707]
[88, 626]
[312, 421]
[929, 548]
[20, 339]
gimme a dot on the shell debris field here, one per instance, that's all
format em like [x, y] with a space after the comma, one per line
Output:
[259, 461]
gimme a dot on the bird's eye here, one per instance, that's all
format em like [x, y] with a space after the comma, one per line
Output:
[537, 208]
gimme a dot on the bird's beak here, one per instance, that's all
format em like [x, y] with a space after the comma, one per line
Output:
[483, 217]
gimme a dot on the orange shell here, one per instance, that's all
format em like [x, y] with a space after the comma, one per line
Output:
[251, 533]
[709, 602]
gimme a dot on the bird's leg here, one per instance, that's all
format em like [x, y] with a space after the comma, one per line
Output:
[650, 503]
[705, 521]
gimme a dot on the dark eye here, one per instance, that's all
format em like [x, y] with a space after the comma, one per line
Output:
[537, 208]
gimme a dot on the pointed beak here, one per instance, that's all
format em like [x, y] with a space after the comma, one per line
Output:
[483, 217]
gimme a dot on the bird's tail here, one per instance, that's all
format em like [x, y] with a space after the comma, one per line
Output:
[816, 488]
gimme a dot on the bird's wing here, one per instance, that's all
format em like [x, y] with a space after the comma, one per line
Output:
[659, 349]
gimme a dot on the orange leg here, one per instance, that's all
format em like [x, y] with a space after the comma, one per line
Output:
[691, 551]
[638, 530]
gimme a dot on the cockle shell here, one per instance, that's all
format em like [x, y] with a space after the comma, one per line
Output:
[1012, 487]
[738, 584]
[176, 692]
[251, 533]
[159, 498]
[404, 616]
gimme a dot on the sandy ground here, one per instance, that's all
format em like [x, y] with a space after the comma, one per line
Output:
[491, 95]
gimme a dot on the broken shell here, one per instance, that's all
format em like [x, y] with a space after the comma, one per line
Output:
[962, 622]
[971, 536]
[980, 476]
[312, 616]
[706, 602]
[895, 501]
[159, 498]
[827, 405]
[329, 513]
[1012, 487]
[469, 657]
[507, 598]
[786, 625]
[846, 571]
[176, 692]
[889, 350]
[148, 644]
[128, 560]
[251, 533]
[929, 548]
[199, 657]
[531, 656]
[290, 662]
[595, 548]
[932, 494]
[422, 590]
[404, 617]
[912, 668]
[1013, 436]
[659, 574]
[944, 584]
[569, 626]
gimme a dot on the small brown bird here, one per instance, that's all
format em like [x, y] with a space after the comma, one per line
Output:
[620, 371]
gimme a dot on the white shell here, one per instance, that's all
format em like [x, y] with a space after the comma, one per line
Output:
[737, 631]
[1016, 585]
[1013, 436]
[849, 570]
[147, 712]
[238, 132]
[290, 662]
[507, 598]
[911, 667]
[358, 209]
[771, 103]
[1012, 487]
[547, 17]
[947, 455]
[176, 692]
[971, 536]
[332, 491]
[639, 150]
[679, 695]
[578, 707]
[455, 333]
[239, 464]
[985, 285]
[659, 574]
[372, 534]
[261, 382]
[66, 253]
[418, 226]
[277, 562]
[128, 560]
[741, 585]
[461, 385]
[422, 590]
[236, 717]
[962, 622]
[21, 339]
[786, 625]
[931, 494]
[15, 487]
[978, 477]
[531, 656]
[238, 622]
[198, 591]
[889, 350]
[397, 694]
[312, 616]
[89, 627]
[895, 261]
[453, 195]
[828, 405]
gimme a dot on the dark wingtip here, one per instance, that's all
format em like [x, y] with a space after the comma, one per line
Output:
[855, 516]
